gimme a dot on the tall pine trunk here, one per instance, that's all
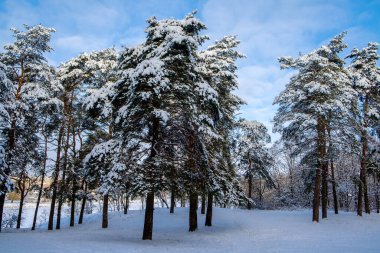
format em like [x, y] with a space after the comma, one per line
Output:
[363, 187]
[126, 205]
[81, 214]
[320, 166]
[41, 185]
[149, 208]
[249, 205]
[335, 196]
[193, 219]
[148, 222]
[210, 200]
[57, 169]
[105, 211]
[325, 173]
[73, 196]
[203, 206]
[22, 197]
[172, 200]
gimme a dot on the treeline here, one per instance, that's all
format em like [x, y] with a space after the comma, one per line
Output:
[144, 121]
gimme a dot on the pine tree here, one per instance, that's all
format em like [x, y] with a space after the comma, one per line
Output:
[252, 156]
[366, 80]
[320, 86]
[26, 69]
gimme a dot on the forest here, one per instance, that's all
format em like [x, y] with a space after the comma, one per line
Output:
[159, 122]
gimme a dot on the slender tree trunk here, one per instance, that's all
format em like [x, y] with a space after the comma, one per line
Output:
[203, 206]
[148, 222]
[2, 202]
[81, 214]
[126, 206]
[183, 200]
[377, 199]
[57, 168]
[105, 211]
[22, 193]
[325, 190]
[72, 211]
[335, 196]
[41, 185]
[363, 188]
[193, 221]
[249, 205]
[210, 200]
[321, 162]
[172, 201]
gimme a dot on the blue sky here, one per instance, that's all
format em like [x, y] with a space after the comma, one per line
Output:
[267, 29]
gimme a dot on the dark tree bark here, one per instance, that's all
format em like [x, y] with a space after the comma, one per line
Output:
[335, 196]
[73, 196]
[172, 201]
[105, 212]
[2, 202]
[193, 220]
[363, 188]
[41, 185]
[148, 222]
[321, 145]
[210, 200]
[203, 206]
[126, 205]
[183, 202]
[56, 171]
[325, 189]
[81, 214]
[22, 197]
[249, 205]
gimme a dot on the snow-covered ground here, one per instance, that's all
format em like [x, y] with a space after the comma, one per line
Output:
[233, 230]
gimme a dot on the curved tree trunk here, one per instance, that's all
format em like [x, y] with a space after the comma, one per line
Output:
[22, 193]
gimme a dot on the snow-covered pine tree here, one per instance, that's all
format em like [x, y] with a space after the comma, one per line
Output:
[218, 65]
[321, 86]
[162, 88]
[365, 75]
[26, 66]
[6, 100]
[252, 157]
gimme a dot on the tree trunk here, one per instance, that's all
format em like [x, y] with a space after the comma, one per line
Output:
[18, 225]
[203, 206]
[60, 199]
[105, 211]
[335, 196]
[183, 202]
[193, 221]
[249, 205]
[72, 211]
[325, 190]
[2, 202]
[81, 214]
[172, 201]
[126, 206]
[41, 185]
[148, 222]
[57, 168]
[208, 221]
[320, 166]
